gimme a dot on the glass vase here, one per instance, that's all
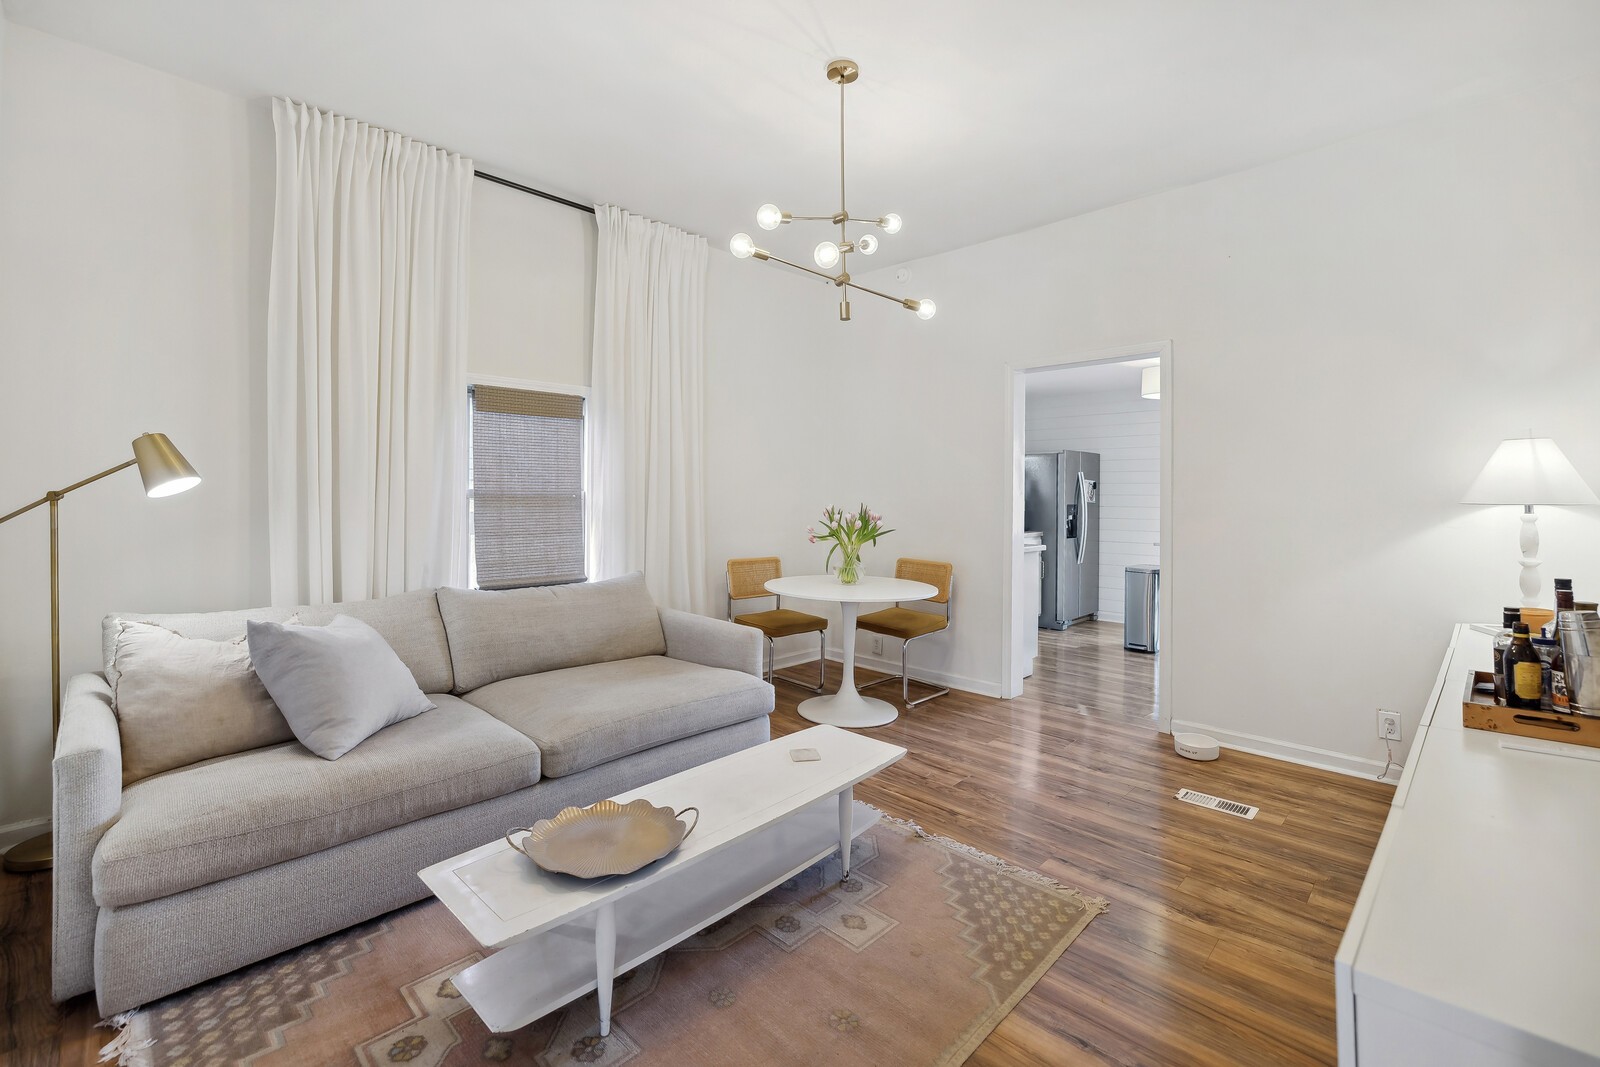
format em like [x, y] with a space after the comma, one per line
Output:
[849, 565]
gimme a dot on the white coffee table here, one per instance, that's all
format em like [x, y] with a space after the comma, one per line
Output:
[848, 707]
[763, 818]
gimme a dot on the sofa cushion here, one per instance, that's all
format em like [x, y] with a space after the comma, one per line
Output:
[180, 700]
[581, 717]
[497, 634]
[410, 622]
[213, 820]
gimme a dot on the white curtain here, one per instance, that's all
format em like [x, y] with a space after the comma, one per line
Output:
[366, 351]
[646, 412]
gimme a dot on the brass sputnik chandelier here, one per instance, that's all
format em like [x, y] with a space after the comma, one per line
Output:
[830, 255]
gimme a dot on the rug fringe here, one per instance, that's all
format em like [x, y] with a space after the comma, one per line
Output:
[125, 1049]
[1093, 905]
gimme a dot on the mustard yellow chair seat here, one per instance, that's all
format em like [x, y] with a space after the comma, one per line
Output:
[781, 622]
[904, 623]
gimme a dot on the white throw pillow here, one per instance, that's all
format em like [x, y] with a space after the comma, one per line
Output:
[180, 700]
[337, 685]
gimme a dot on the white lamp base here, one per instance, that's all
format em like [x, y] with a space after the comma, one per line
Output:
[1529, 579]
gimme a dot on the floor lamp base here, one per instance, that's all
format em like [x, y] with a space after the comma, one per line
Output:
[34, 854]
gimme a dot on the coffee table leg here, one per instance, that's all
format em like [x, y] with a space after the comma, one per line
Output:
[847, 810]
[605, 961]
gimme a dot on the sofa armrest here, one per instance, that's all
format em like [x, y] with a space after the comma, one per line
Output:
[87, 779]
[712, 642]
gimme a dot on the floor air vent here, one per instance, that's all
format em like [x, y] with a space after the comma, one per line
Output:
[1206, 800]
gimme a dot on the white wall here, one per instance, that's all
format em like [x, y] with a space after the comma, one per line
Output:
[1353, 331]
[1126, 431]
[532, 287]
[135, 220]
[134, 213]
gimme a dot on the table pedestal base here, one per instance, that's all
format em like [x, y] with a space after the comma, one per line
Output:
[849, 709]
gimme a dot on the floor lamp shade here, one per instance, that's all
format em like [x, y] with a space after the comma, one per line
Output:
[1529, 471]
[162, 466]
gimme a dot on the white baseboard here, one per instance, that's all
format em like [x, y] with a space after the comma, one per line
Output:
[1288, 751]
[11, 833]
[892, 666]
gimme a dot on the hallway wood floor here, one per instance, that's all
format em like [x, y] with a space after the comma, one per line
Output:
[1219, 943]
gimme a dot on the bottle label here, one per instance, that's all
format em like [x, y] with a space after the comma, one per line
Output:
[1527, 680]
[1558, 691]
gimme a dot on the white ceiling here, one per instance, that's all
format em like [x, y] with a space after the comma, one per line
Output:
[1094, 378]
[972, 120]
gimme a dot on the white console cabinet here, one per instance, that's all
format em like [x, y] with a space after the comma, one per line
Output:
[1475, 941]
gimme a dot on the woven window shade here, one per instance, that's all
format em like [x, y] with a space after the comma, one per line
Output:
[527, 488]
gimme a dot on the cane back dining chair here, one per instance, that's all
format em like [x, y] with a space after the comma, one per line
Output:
[747, 580]
[910, 625]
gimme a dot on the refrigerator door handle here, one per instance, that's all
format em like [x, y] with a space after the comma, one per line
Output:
[1082, 492]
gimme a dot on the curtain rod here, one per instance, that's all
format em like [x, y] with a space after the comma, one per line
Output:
[509, 184]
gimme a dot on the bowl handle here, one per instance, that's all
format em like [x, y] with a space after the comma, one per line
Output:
[513, 844]
[679, 814]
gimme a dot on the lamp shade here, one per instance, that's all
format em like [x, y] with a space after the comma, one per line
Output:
[1529, 470]
[1150, 383]
[162, 466]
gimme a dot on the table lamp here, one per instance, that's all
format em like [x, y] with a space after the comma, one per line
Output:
[165, 472]
[1528, 471]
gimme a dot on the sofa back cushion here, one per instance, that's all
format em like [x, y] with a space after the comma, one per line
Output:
[180, 700]
[497, 634]
[410, 622]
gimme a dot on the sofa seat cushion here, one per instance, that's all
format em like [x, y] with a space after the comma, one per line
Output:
[210, 821]
[584, 716]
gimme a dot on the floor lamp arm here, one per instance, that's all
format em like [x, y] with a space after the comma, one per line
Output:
[53, 498]
[37, 853]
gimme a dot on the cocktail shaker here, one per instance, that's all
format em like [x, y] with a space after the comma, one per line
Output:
[1580, 647]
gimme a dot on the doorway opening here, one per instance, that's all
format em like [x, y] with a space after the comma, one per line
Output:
[1091, 572]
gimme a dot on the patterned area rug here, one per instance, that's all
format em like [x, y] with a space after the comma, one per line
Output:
[913, 960]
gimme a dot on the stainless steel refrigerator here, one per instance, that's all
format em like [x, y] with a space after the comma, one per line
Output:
[1061, 498]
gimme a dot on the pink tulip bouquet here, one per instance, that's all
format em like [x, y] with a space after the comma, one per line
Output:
[850, 532]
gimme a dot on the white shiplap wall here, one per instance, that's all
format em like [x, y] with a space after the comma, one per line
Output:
[1126, 431]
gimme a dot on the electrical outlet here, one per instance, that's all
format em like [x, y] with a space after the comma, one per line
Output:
[1388, 725]
[877, 646]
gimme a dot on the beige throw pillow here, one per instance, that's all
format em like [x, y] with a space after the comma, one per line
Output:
[180, 700]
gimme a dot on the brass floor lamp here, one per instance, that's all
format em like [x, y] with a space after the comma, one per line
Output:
[165, 472]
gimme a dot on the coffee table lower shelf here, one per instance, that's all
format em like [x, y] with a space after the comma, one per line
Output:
[528, 980]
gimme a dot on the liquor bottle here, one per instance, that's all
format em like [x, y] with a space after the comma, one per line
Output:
[1563, 595]
[1524, 671]
[1560, 699]
[1502, 641]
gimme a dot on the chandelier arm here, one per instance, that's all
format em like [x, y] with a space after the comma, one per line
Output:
[799, 266]
[886, 296]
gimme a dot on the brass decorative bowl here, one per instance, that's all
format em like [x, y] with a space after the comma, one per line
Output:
[603, 839]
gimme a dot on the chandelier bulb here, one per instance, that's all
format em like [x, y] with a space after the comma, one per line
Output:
[926, 309]
[769, 216]
[866, 244]
[742, 246]
[826, 255]
[891, 223]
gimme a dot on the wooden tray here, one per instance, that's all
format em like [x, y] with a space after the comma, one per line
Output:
[1480, 712]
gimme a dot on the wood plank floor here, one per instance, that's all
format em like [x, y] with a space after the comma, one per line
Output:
[1219, 943]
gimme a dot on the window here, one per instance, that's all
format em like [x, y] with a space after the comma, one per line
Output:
[526, 494]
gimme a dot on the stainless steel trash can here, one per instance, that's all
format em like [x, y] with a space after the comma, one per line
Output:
[1141, 607]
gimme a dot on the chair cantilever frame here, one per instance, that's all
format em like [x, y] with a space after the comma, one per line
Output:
[904, 677]
[746, 593]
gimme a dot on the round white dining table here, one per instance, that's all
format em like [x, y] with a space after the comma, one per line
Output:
[848, 707]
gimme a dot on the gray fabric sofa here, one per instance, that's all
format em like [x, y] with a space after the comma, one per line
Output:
[545, 698]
